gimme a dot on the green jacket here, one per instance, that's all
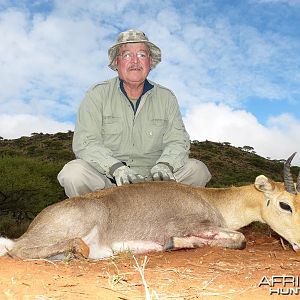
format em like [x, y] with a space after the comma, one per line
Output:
[108, 132]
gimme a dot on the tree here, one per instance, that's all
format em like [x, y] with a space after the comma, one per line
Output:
[248, 148]
[226, 143]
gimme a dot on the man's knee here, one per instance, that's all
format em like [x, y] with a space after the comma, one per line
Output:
[71, 173]
[201, 173]
[194, 172]
[78, 177]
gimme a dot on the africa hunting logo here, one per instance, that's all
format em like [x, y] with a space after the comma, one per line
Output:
[281, 284]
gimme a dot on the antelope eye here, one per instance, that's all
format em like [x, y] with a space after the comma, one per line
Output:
[285, 206]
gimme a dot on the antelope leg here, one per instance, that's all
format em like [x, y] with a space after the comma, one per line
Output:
[215, 237]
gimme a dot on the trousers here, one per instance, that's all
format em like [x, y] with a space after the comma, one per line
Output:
[78, 177]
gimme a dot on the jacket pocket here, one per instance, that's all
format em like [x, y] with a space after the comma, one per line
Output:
[112, 132]
[155, 131]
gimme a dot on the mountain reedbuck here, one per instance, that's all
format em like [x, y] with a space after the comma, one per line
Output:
[157, 216]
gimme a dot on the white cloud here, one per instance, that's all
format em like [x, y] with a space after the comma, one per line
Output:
[221, 123]
[15, 126]
[57, 56]
[49, 58]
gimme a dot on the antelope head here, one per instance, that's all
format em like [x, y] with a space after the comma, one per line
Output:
[281, 208]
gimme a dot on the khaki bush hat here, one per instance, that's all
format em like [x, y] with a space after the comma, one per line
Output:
[133, 36]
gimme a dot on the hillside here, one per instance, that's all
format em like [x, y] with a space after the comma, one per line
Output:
[54, 147]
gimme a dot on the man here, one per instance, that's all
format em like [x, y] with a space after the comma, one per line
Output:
[130, 129]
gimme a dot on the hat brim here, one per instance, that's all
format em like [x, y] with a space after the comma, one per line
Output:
[155, 53]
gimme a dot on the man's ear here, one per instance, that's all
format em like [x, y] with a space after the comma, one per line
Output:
[115, 64]
[264, 184]
[151, 63]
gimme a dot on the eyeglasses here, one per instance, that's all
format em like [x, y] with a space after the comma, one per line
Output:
[127, 55]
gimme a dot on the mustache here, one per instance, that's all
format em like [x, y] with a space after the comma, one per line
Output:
[135, 67]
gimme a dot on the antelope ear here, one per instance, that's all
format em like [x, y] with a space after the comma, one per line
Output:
[264, 184]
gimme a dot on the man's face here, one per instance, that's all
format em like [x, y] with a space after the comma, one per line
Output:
[133, 62]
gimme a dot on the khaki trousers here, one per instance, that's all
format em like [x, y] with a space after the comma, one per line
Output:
[78, 177]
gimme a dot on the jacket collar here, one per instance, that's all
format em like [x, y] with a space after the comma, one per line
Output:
[147, 87]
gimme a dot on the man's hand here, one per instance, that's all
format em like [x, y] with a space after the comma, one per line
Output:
[162, 172]
[124, 175]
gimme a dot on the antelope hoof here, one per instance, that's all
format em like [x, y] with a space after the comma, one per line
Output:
[81, 248]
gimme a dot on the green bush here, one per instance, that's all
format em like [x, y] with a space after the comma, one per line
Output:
[27, 186]
[10, 227]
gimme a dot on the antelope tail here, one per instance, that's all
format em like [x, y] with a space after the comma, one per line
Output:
[5, 245]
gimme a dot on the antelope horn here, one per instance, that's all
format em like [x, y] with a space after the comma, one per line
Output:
[287, 175]
[298, 183]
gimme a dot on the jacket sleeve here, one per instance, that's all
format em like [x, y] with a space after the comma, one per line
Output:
[176, 141]
[87, 139]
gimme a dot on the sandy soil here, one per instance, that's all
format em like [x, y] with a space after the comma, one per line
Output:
[204, 273]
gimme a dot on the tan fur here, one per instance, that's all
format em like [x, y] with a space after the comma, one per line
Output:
[239, 206]
[161, 215]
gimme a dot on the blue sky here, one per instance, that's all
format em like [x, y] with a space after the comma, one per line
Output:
[233, 65]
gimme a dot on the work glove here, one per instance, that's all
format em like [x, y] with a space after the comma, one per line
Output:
[162, 171]
[124, 175]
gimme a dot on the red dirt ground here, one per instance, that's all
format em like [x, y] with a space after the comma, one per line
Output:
[204, 273]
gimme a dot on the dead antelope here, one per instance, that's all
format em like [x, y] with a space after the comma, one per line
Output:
[157, 216]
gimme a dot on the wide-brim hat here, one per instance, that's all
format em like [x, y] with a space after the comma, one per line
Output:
[133, 36]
